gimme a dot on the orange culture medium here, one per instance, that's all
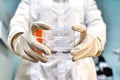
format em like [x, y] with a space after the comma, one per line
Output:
[38, 35]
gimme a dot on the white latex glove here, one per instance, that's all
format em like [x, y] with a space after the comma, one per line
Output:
[88, 46]
[26, 44]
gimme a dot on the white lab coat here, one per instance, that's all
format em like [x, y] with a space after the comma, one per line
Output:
[83, 12]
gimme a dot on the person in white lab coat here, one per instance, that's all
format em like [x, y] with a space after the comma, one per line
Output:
[88, 22]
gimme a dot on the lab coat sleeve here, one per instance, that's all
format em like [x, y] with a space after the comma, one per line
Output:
[19, 22]
[95, 23]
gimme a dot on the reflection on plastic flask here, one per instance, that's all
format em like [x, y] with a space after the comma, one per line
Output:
[61, 40]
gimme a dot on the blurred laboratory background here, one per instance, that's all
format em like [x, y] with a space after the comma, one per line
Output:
[110, 57]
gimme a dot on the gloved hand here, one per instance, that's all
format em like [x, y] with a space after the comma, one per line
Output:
[88, 46]
[26, 45]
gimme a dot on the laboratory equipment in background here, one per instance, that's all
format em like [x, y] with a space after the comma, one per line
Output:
[117, 52]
